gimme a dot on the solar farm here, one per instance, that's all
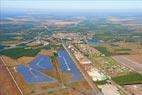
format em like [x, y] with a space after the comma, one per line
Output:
[41, 77]
[67, 65]
[32, 73]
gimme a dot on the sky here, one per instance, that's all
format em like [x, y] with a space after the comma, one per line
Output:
[98, 5]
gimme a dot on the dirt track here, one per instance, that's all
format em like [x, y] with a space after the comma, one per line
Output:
[130, 62]
[7, 85]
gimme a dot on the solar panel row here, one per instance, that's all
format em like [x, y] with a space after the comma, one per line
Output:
[67, 65]
[42, 62]
[32, 73]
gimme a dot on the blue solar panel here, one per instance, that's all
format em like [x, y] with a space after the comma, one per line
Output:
[33, 76]
[32, 73]
[67, 65]
[42, 62]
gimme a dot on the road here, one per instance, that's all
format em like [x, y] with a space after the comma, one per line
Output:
[95, 90]
[8, 85]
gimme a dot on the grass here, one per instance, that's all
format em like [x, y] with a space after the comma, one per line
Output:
[131, 78]
[19, 52]
[103, 50]
[123, 53]
[101, 82]
[106, 60]
[123, 49]
[110, 62]
[114, 45]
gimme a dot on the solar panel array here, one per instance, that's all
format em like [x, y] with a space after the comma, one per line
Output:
[67, 65]
[33, 73]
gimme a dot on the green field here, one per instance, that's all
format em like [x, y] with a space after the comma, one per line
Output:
[101, 82]
[123, 49]
[103, 50]
[131, 78]
[19, 52]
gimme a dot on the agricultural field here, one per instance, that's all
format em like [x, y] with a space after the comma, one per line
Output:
[19, 52]
[103, 50]
[131, 22]
[128, 79]
[120, 48]
[131, 61]
[6, 81]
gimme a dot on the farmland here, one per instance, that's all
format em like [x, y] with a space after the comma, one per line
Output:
[103, 50]
[129, 79]
[6, 81]
[132, 61]
[19, 52]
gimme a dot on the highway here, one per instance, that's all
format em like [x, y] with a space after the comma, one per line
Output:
[95, 90]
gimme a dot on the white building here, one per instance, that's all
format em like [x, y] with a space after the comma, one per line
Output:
[96, 75]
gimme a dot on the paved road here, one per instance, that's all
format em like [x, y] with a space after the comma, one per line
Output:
[8, 85]
[95, 90]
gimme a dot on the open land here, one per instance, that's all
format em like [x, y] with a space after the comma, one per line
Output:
[7, 83]
[134, 89]
[134, 62]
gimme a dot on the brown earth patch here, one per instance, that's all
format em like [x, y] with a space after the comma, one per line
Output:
[7, 85]
[10, 61]
[134, 89]
[25, 60]
[130, 62]
[46, 52]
